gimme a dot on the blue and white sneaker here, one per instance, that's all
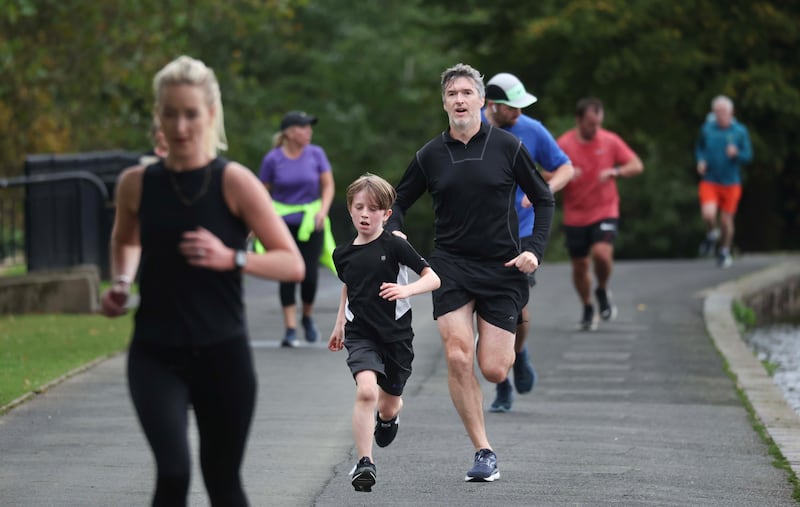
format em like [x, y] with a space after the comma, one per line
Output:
[724, 259]
[290, 339]
[504, 399]
[312, 333]
[485, 467]
[709, 244]
[524, 374]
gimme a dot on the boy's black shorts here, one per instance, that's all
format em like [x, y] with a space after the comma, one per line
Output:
[391, 361]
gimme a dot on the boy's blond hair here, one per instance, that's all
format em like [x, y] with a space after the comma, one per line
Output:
[380, 191]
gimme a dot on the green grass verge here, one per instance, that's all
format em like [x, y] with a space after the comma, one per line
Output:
[770, 366]
[745, 317]
[743, 314]
[14, 270]
[37, 349]
[778, 459]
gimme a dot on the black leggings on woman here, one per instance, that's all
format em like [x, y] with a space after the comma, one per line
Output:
[311, 251]
[219, 382]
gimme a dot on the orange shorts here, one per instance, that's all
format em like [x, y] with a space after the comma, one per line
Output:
[726, 197]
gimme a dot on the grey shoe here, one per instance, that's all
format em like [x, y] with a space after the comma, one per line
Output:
[709, 245]
[724, 260]
[485, 467]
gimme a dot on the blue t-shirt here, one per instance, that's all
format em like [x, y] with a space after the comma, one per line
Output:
[711, 147]
[544, 151]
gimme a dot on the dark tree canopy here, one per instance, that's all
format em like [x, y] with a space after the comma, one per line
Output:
[77, 77]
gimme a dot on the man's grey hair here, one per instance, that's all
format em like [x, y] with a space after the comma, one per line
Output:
[463, 70]
[722, 100]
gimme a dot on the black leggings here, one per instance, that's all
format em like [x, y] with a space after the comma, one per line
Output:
[311, 251]
[219, 381]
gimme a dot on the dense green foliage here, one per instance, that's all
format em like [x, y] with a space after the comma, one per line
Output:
[77, 77]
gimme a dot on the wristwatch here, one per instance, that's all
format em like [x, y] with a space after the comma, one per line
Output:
[240, 259]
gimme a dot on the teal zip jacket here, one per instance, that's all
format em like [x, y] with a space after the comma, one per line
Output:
[711, 149]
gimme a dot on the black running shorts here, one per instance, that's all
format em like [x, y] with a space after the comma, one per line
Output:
[500, 293]
[391, 361]
[579, 240]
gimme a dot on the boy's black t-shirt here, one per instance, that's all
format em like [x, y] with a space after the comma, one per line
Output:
[363, 268]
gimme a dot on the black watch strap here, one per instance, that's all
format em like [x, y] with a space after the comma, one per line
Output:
[240, 259]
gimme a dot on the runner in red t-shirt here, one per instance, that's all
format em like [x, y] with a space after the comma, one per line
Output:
[591, 204]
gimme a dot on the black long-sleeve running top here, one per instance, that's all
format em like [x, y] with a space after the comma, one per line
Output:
[472, 187]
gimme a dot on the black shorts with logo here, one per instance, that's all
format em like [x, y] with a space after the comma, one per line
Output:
[579, 240]
[500, 293]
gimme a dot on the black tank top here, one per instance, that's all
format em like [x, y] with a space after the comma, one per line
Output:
[181, 304]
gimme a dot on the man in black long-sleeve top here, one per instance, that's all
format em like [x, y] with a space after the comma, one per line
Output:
[471, 171]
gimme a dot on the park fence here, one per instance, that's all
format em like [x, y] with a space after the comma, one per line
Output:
[59, 214]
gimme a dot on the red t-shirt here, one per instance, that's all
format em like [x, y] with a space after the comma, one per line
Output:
[587, 200]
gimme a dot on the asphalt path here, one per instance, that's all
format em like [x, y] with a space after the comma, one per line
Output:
[639, 412]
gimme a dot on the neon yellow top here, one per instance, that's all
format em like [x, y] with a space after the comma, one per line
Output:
[307, 226]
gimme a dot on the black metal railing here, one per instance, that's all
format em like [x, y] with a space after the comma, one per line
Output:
[15, 231]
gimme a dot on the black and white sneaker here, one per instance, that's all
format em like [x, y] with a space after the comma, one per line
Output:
[485, 467]
[608, 311]
[385, 431]
[588, 319]
[364, 475]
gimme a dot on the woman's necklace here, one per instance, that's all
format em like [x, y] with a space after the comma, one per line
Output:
[188, 201]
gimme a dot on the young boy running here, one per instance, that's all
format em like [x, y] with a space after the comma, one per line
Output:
[375, 317]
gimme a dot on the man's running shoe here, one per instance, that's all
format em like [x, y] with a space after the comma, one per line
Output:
[706, 248]
[364, 475]
[709, 244]
[524, 374]
[385, 431]
[588, 320]
[608, 311]
[724, 260]
[485, 467]
[505, 396]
